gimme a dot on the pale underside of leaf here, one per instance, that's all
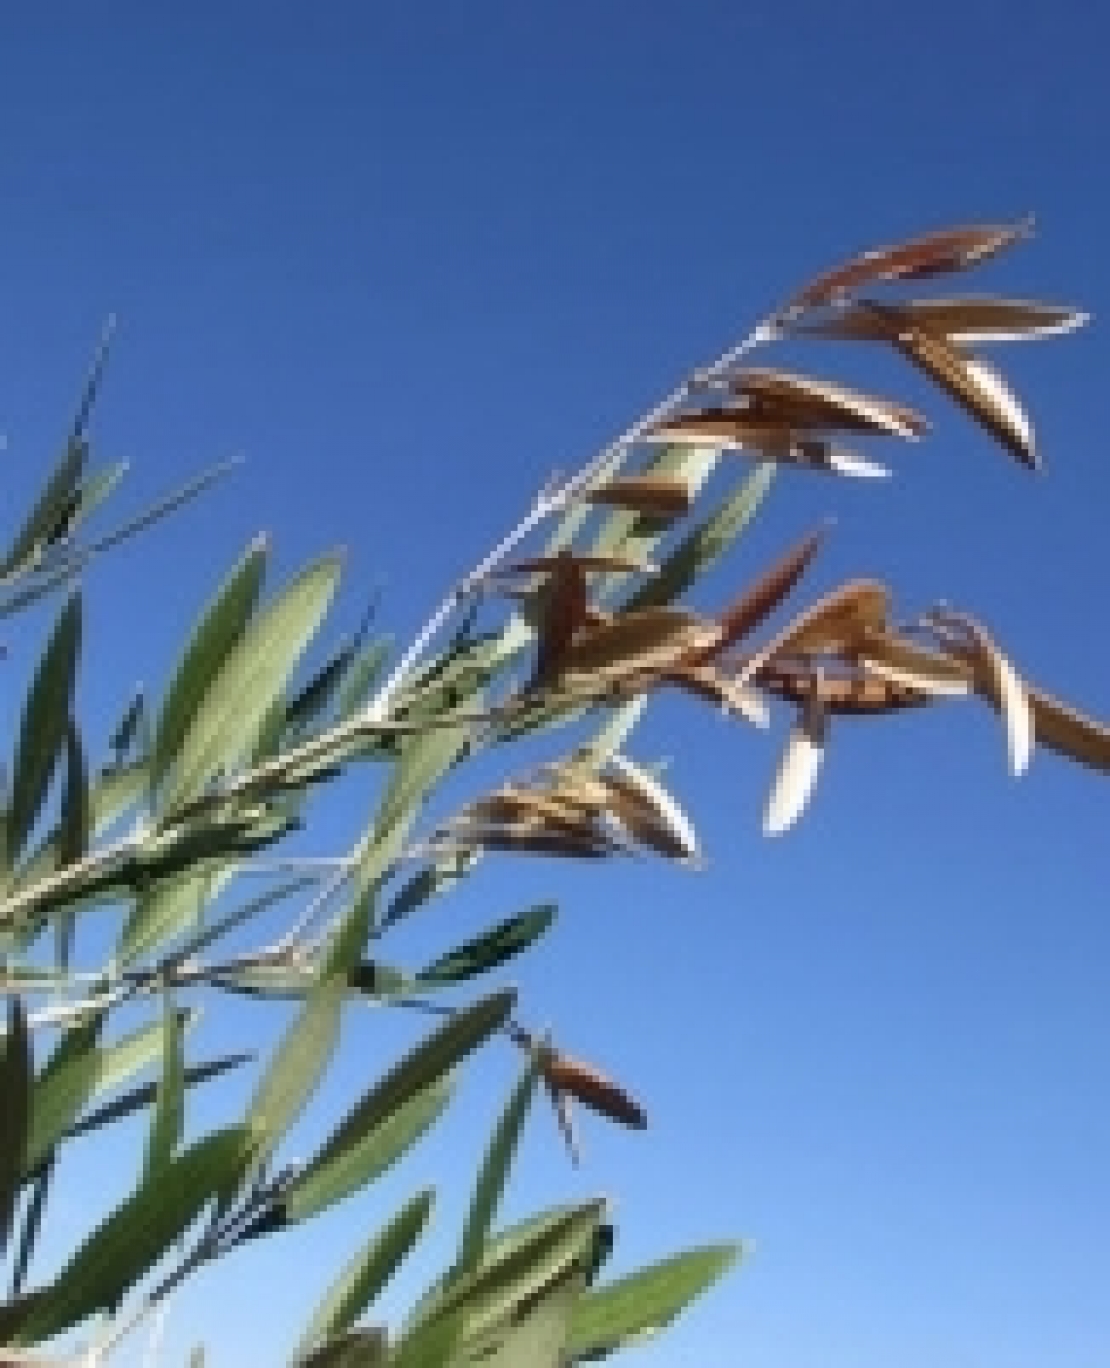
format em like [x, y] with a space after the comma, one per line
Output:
[797, 774]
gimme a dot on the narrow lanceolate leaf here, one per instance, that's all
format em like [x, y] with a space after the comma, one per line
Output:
[915, 667]
[217, 631]
[705, 545]
[168, 1121]
[968, 322]
[96, 489]
[44, 725]
[235, 705]
[367, 1273]
[649, 813]
[16, 1074]
[297, 1067]
[977, 387]
[761, 599]
[364, 1156]
[359, 1348]
[136, 1235]
[1069, 732]
[609, 1318]
[493, 947]
[494, 1173]
[30, 1225]
[801, 402]
[57, 496]
[424, 1068]
[73, 834]
[936, 253]
[797, 772]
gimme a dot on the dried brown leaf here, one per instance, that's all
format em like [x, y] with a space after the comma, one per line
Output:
[593, 1089]
[760, 599]
[972, 321]
[798, 401]
[931, 254]
[658, 496]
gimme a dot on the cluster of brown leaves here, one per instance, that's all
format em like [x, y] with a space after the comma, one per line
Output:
[842, 655]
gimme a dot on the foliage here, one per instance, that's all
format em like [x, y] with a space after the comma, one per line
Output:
[229, 763]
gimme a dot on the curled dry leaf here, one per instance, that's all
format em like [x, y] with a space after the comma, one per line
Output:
[593, 1089]
[800, 402]
[644, 808]
[531, 839]
[798, 769]
[839, 623]
[657, 496]
[996, 680]
[967, 322]
[932, 254]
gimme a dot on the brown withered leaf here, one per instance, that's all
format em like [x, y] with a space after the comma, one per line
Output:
[798, 401]
[532, 839]
[644, 808]
[593, 1089]
[658, 496]
[838, 624]
[732, 429]
[1067, 731]
[905, 662]
[937, 253]
[643, 641]
[564, 560]
[971, 321]
[760, 599]
[854, 694]
[976, 386]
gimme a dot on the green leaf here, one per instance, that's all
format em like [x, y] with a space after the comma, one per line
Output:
[436, 878]
[43, 727]
[515, 1269]
[539, 1338]
[494, 1172]
[73, 834]
[367, 1273]
[356, 1349]
[361, 1158]
[95, 490]
[493, 947]
[220, 627]
[425, 758]
[30, 1226]
[165, 908]
[405, 1085]
[142, 1096]
[297, 1066]
[57, 496]
[633, 1308]
[16, 1074]
[81, 1071]
[136, 1235]
[168, 1122]
[361, 676]
[706, 543]
[235, 705]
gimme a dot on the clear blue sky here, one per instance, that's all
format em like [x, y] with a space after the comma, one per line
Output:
[412, 258]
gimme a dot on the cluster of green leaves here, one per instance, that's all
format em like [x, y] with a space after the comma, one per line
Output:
[223, 767]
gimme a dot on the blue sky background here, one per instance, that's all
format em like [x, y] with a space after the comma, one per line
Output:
[410, 259]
